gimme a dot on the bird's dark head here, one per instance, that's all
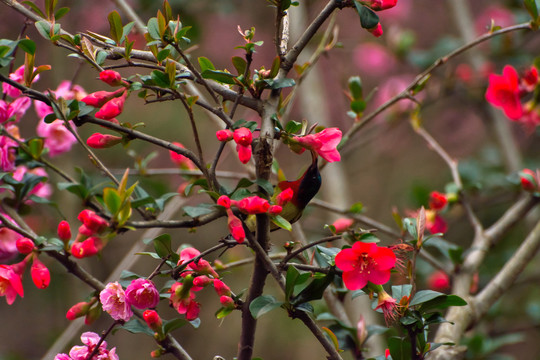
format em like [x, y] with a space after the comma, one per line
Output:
[310, 184]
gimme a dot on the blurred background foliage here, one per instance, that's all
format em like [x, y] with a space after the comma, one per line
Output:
[385, 166]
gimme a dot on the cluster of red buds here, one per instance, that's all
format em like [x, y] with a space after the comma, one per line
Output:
[88, 241]
[243, 139]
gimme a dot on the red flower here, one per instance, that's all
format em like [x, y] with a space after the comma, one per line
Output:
[365, 262]
[110, 77]
[503, 92]
[93, 222]
[201, 266]
[324, 143]
[102, 141]
[530, 79]
[180, 160]
[88, 247]
[224, 201]
[437, 200]
[284, 197]
[10, 283]
[435, 223]
[40, 274]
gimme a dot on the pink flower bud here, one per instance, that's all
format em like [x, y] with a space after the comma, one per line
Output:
[40, 274]
[285, 196]
[437, 201]
[77, 310]
[227, 302]
[244, 153]
[224, 135]
[110, 77]
[64, 231]
[224, 201]
[342, 224]
[86, 248]
[275, 210]
[112, 108]
[180, 160]
[99, 98]
[102, 141]
[243, 136]
[142, 294]
[24, 245]
[528, 179]
[92, 221]
[202, 281]
[253, 205]
[221, 288]
[378, 5]
[235, 227]
[92, 315]
[152, 319]
[376, 31]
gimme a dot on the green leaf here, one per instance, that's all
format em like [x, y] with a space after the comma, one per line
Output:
[219, 76]
[196, 211]
[368, 18]
[442, 302]
[173, 324]
[355, 87]
[265, 185]
[134, 326]
[112, 200]
[424, 296]
[162, 55]
[281, 222]
[358, 106]
[400, 349]
[262, 305]
[153, 29]
[315, 288]
[161, 79]
[356, 208]
[400, 291]
[275, 67]
[239, 64]
[290, 281]
[27, 45]
[293, 127]
[60, 13]
[205, 64]
[532, 8]
[43, 28]
[162, 245]
[34, 8]
[279, 83]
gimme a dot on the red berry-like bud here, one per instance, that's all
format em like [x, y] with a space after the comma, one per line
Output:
[243, 136]
[275, 210]
[224, 201]
[102, 141]
[224, 135]
[221, 288]
[77, 310]
[342, 225]
[528, 179]
[112, 108]
[64, 231]
[235, 227]
[284, 197]
[437, 201]
[227, 302]
[244, 153]
[24, 245]
[438, 281]
[110, 77]
[253, 205]
[152, 319]
[180, 160]
[376, 31]
[40, 274]
[99, 98]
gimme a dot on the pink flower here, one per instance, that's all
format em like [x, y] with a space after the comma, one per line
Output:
[342, 224]
[365, 262]
[142, 294]
[324, 143]
[110, 77]
[18, 76]
[102, 141]
[496, 14]
[438, 281]
[58, 139]
[235, 227]
[437, 200]
[253, 205]
[15, 109]
[113, 299]
[86, 248]
[8, 242]
[7, 153]
[244, 153]
[180, 160]
[112, 108]
[184, 301]
[503, 92]
[40, 274]
[224, 135]
[41, 189]
[378, 5]
[10, 283]
[90, 341]
[243, 136]
[201, 266]
[373, 59]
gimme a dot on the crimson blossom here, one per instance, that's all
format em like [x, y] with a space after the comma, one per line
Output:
[324, 143]
[10, 283]
[142, 294]
[503, 92]
[365, 262]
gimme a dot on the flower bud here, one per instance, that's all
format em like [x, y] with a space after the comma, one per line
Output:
[253, 205]
[78, 310]
[64, 231]
[224, 135]
[437, 201]
[40, 274]
[86, 248]
[528, 179]
[99, 98]
[284, 197]
[342, 225]
[24, 245]
[112, 108]
[224, 201]
[202, 281]
[243, 136]
[152, 319]
[244, 153]
[110, 77]
[227, 302]
[235, 227]
[275, 210]
[92, 315]
[438, 281]
[180, 160]
[221, 288]
[102, 141]
[376, 31]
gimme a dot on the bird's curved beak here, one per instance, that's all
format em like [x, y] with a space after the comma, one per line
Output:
[314, 156]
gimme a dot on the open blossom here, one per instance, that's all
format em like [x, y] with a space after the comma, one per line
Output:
[201, 266]
[503, 92]
[18, 76]
[8, 242]
[365, 262]
[142, 294]
[90, 341]
[14, 110]
[58, 139]
[7, 153]
[435, 223]
[10, 283]
[437, 200]
[324, 143]
[113, 299]
[184, 301]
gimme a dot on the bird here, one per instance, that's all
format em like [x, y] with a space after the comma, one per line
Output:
[304, 189]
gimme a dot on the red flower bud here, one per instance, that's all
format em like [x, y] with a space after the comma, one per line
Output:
[24, 245]
[93, 222]
[78, 310]
[110, 77]
[284, 197]
[529, 181]
[235, 227]
[64, 231]
[275, 210]
[221, 288]
[92, 315]
[438, 281]
[378, 5]
[243, 136]
[102, 141]
[376, 31]
[152, 319]
[224, 201]
[180, 160]
[342, 225]
[86, 248]
[253, 205]
[99, 98]
[437, 200]
[530, 79]
[227, 302]
[112, 108]
[244, 153]
[224, 135]
[202, 281]
[40, 274]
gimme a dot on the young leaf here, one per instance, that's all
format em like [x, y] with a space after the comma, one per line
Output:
[290, 281]
[27, 45]
[532, 8]
[263, 304]
[205, 64]
[368, 18]
[115, 23]
[239, 64]
[219, 76]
